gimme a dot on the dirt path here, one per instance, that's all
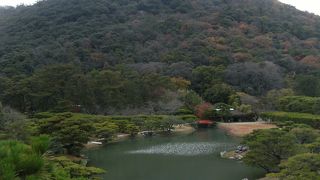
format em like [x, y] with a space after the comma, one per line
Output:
[186, 129]
[242, 129]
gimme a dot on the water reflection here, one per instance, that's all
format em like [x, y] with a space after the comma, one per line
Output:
[184, 149]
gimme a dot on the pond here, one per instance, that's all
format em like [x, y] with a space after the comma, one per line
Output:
[194, 156]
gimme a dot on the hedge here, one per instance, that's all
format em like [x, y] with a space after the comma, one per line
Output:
[185, 118]
[299, 118]
[301, 104]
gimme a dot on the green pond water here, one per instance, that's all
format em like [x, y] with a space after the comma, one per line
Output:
[194, 156]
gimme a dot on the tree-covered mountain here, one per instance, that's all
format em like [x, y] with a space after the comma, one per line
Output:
[129, 53]
[103, 33]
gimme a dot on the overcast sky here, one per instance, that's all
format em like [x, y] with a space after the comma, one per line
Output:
[16, 2]
[305, 5]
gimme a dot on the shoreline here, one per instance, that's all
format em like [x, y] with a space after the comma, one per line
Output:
[178, 129]
[239, 129]
[183, 129]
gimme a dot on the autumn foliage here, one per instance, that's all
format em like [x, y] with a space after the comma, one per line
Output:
[202, 108]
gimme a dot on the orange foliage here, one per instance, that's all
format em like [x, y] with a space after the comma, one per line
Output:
[310, 43]
[263, 41]
[202, 108]
[244, 27]
[241, 57]
[311, 60]
[180, 82]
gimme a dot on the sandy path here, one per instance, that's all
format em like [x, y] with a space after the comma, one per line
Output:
[242, 129]
[183, 129]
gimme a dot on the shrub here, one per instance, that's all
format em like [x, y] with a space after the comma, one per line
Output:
[301, 166]
[305, 135]
[40, 144]
[302, 104]
[17, 159]
[187, 118]
[183, 111]
[74, 169]
[299, 118]
[29, 163]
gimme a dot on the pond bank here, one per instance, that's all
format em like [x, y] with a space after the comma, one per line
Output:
[185, 129]
[178, 129]
[244, 128]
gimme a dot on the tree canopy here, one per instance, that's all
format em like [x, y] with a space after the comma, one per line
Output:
[58, 54]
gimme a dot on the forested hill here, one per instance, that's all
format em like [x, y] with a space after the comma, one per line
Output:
[190, 39]
[103, 33]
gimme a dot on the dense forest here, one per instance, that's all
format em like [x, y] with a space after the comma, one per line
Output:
[72, 71]
[145, 56]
